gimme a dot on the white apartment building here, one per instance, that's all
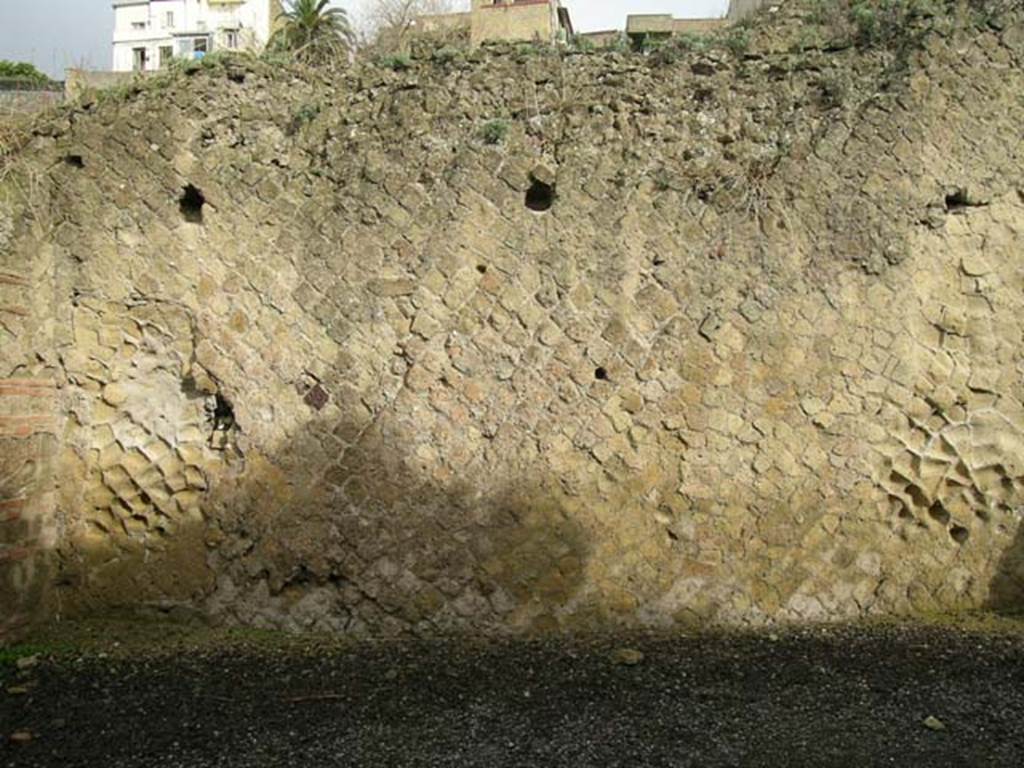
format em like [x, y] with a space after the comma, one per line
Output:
[149, 33]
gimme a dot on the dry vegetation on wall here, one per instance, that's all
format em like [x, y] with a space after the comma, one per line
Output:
[518, 339]
[15, 133]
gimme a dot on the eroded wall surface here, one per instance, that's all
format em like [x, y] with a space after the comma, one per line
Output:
[29, 412]
[319, 365]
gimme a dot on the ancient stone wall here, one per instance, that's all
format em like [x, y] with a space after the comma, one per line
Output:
[707, 338]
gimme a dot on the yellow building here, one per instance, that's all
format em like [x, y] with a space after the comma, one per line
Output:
[545, 21]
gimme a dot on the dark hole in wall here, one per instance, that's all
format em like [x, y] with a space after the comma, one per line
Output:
[540, 196]
[962, 198]
[956, 200]
[601, 374]
[917, 497]
[221, 414]
[192, 202]
[703, 94]
[481, 268]
[959, 534]
[939, 513]
[75, 161]
[317, 397]
[900, 506]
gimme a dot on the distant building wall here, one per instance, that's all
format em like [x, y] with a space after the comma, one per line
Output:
[523, 20]
[444, 22]
[602, 38]
[740, 9]
[697, 26]
[17, 96]
[148, 34]
[498, 20]
[661, 26]
[653, 27]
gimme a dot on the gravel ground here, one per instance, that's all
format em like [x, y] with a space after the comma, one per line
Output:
[838, 697]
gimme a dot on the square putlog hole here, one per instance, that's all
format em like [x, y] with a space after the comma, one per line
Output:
[317, 397]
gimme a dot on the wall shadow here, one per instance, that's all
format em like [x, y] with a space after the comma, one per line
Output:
[364, 540]
[1006, 592]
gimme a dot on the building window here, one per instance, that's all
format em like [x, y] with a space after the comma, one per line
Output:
[166, 54]
[138, 25]
[139, 59]
[199, 47]
[231, 39]
[169, 20]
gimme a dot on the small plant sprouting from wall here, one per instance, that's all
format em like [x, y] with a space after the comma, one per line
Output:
[886, 23]
[584, 45]
[737, 41]
[398, 62]
[617, 43]
[668, 52]
[303, 116]
[689, 41]
[835, 89]
[663, 181]
[494, 131]
[446, 55]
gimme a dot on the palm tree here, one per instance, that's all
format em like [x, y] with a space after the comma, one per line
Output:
[313, 33]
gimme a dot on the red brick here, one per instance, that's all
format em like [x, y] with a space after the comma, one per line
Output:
[9, 278]
[27, 388]
[16, 554]
[26, 426]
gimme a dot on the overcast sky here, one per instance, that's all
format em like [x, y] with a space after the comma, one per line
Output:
[54, 34]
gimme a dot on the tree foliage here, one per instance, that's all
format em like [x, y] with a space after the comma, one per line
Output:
[23, 71]
[388, 23]
[313, 33]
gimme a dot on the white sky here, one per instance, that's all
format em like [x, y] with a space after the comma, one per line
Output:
[54, 34]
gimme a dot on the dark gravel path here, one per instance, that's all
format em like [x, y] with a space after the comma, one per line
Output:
[814, 698]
